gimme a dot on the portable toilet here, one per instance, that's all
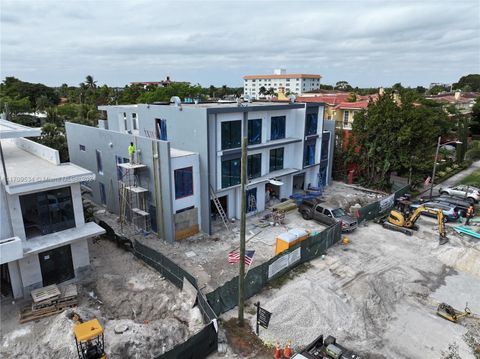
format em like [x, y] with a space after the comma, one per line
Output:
[289, 239]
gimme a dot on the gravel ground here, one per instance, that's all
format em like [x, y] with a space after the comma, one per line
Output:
[378, 295]
[159, 316]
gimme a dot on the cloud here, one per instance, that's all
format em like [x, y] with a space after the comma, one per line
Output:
[368, 43]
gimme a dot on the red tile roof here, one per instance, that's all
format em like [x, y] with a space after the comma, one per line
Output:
[352, 105]
[284, 76]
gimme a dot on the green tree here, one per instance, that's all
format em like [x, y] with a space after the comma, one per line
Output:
[54, 137]
[41, 103]
[262, 91]
[472, 81]
[90, 82]
[343, 85]
[394, 137]
[164, 94]
[435, 90]
[352, 97]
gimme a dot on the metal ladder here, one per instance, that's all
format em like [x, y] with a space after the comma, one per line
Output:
[220, 210]
[252, 203]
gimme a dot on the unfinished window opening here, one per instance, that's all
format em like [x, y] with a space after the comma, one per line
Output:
[125, 124]
[161, 128]
[276, 159]
[311, 124]
[103, 193]
[82, 148]
[254, 166]
[47, 212]
[231, 132]
[99, 162]
[325, 146]
[183, 182]
[134, 121]
[309, 154]
[230, 172]
[254, 131]
[277, 130]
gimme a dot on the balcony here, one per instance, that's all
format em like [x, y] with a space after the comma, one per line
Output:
[10, 249]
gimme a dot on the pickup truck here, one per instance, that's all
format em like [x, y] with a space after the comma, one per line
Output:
[327, 214]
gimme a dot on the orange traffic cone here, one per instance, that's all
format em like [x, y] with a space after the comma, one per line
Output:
[278, 352]
[287, 353]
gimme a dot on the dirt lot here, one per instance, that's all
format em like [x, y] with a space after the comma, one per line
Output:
[119, 289]
[378, 295]
[206, 256]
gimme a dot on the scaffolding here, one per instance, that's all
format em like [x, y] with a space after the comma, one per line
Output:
[133, 197]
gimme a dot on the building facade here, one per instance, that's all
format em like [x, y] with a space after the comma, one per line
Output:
[43, 231]
[290, 148]
[291, 83]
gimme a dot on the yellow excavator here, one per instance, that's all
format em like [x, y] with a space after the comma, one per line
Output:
[449, 313]
[396, 221]
[89, 337]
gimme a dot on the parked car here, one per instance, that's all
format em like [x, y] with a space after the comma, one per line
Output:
[448, 209]
[461, 205]
[327, 214]
[470, 193]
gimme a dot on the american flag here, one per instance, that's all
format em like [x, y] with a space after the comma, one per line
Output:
[234, 257]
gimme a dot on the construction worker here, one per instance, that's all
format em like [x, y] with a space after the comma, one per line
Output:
[470, 214]
[131, 152]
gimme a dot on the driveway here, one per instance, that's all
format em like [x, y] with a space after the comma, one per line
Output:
[456, 178]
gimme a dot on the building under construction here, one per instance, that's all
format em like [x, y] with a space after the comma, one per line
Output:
[177, 192]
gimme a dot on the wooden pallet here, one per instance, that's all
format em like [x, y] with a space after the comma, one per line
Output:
[27, 314]
[45, 294]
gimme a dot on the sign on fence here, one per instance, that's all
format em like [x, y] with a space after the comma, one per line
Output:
[284, 262]
[387, 202]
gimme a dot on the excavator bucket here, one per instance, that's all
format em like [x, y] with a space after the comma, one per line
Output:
[443, 240]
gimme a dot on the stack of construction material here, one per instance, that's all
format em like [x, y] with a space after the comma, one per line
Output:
[286, 206]
[48, 301]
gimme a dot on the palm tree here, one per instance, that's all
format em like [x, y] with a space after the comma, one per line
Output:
[262, 91]
[90, 82]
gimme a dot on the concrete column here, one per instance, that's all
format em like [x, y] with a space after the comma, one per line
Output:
[77, 204]
[16, 216]
[15, 279]
[80, 255]
[30, 272]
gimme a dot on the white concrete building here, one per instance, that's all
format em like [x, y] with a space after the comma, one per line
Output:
[43, 234]
[290, 148]
[294, 83]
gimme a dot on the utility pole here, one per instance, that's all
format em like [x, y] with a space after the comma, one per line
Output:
[435, 166]
[241, 276]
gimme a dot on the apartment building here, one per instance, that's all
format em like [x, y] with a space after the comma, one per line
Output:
[43, 234]
[291, 83]
[290, 147]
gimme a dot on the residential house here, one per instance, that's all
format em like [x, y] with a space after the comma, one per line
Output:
[43, 234]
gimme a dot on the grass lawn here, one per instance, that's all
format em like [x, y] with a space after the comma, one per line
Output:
[472, 179]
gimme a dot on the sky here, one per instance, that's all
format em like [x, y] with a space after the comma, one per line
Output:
[368, 43]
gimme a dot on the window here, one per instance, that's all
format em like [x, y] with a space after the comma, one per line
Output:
[99, 162]
[47, 212]
[254, 131]
[345, 118]
[103, 193]
[309, 153]
[183, 182]
[325, 145]
[276, 159]
[125, 121]
[231, 134]
[230, 172]
[311, 124]
[161, 128]
[254, 166]
[277, 128]
[82, 148]
[134, 121]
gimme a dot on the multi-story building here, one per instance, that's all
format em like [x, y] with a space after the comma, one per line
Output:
[291, 83]
[290, 148]
[43, 237]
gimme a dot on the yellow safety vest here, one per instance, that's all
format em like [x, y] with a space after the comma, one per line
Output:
[131, 149]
